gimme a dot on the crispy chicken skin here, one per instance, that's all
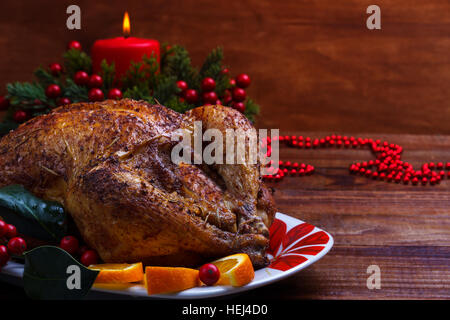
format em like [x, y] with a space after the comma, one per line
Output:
[109, 164]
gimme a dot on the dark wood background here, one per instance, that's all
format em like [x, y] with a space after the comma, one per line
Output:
[314, 64]
[315, 67]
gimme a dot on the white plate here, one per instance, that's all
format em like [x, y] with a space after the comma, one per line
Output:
[294, 245]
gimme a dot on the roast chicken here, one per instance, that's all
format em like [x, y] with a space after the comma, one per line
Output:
[109, 164]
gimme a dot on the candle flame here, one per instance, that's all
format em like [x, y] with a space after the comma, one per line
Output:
[126, 25]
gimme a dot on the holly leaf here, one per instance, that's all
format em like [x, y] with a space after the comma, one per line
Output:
[52, 274]
[34, 217]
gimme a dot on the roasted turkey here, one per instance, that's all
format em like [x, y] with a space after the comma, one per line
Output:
[109, 164]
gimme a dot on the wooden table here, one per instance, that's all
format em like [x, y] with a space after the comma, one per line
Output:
[403, 229]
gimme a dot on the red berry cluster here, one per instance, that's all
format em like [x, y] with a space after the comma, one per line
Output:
[72, 246]
[233, 97]
[388, 165]
[53, 91]
[14, 245]
[95, 82]
[237, 95]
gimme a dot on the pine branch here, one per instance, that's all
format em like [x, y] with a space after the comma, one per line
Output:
[137, 93]
[108, 74]
[251, 110]
[75, 92]
[45, 78]
[174, 103]
[20, 92]
[178, 64]
[76, 60]
[212, 66]
[165, 89]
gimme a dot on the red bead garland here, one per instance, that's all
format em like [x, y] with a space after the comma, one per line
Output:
[387, 166]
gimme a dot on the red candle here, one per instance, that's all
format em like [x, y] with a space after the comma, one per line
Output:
[123, 50]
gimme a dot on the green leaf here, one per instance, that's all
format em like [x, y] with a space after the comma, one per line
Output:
[37, 218]
[46, 275]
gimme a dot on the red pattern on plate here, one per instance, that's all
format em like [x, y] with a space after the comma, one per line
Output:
[293, 251]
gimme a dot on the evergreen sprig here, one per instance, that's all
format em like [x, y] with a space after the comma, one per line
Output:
[20, 92]
[75, 92]
[146, 80]
[178, 64]
[108, 73]
[76, 60]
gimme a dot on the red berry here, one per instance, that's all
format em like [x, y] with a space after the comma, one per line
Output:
[182, 85]
[82, 250]
[191, 96]
[225, 71]
[53, 91]
[209, 274]
[55, 69]
[218, 102]
[17, 245]
[208, 84]
[95, 81]
[209, 97]
[232, 82]
[74, 45]
[115, 94]
[63, 101]
[81, 78]
[11, 231]
[239, 106]
[3, 225]
[4, 255]
[70, 244]
[239, 94]
[95, 94]
[89, 257]
[20, 116]
[243, 80]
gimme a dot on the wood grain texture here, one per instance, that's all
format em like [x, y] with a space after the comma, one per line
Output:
[314, 64]
[403, 229]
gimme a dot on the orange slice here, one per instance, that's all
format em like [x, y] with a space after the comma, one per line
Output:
[118, 272]
[168, 279]
[235, 270]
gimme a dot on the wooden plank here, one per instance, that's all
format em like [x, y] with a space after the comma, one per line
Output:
[407, 272]
[314, 65]
[404, 229]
